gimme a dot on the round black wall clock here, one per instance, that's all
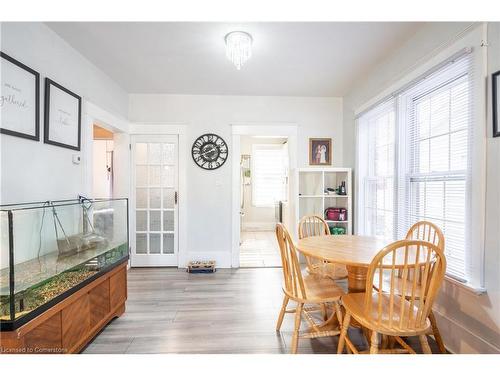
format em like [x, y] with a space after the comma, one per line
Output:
[209, 151]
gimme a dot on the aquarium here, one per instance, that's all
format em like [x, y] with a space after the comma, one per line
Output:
[49, 250]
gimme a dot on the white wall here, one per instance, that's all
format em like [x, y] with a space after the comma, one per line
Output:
[257, 218]
[469, 323]
[209, 192]
[34, 171]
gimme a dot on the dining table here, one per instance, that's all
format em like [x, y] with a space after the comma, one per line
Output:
[353, 251]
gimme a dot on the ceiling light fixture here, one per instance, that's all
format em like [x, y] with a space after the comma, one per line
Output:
[238, 47]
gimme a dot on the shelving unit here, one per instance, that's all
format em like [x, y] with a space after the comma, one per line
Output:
[312, 200]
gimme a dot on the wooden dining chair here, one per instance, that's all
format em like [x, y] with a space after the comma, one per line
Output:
[430, 232]
[313, 225]
[311, 289]
[391, 314]
[424, 231]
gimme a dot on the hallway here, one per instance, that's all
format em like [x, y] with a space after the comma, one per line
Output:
[259, 249]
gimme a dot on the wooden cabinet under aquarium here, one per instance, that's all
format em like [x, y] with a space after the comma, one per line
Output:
[66, 273]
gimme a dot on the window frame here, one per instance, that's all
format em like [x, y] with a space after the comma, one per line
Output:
[408, 101]
[477, 191]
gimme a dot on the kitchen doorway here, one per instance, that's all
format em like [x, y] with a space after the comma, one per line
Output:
[103, 166]
[264, 164]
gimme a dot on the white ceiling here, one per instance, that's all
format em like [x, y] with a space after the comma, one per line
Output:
[289, 59]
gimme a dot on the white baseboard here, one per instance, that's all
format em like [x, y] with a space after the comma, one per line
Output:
[258, 226]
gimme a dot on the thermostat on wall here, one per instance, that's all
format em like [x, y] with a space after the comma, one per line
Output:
[76, 159]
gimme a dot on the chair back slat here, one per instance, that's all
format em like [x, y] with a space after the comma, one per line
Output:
[313, 225]
[392, 292]
[426, 273]
[406, 311]
[425, 231]
[292, 274]
[309, 226]
[402, 297]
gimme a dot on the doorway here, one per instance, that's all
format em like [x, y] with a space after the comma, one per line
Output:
[264, 164]
[154, 200]
[103, 166]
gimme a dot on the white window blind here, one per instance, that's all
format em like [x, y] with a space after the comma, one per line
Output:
[376, 156]
[422, 162]
[268, 175]
[437, 124]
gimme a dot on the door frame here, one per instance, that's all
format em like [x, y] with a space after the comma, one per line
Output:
[93, 114]
[288, 130]
[179, 130]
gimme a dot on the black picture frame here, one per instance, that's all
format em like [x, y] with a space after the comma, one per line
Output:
[47, 114]
[36, 136]
[495, 82]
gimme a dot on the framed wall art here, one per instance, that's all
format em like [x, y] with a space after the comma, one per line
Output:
[19, 99]
[320, 151]
[62, 118]
[496, 103]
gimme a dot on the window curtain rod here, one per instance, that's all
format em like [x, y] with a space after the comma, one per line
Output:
[450, 60]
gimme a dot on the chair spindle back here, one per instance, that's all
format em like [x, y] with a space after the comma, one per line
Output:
[313, 225]
[426, 231]
[405, 257]
[292, 275]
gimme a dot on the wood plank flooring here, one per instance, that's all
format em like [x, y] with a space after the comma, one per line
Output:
[231, 311]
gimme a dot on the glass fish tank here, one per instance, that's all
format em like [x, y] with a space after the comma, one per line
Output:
[49, 250]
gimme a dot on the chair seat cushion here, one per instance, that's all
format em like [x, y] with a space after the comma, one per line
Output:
[402, 324]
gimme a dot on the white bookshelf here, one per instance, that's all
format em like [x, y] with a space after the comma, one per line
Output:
[312, 200]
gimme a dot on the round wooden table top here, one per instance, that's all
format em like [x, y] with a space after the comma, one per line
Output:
[350, 250]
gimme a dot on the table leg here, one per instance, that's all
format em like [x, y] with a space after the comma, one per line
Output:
[356, 283]
[356, 279]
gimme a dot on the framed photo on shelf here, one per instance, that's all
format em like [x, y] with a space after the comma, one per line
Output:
[19, 99]
[62, 118]
[495, 79]
[320, 151]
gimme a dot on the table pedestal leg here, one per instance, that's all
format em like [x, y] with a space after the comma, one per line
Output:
[356, 279]
[356, 283]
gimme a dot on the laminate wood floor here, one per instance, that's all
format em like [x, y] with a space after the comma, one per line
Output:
[231, 311]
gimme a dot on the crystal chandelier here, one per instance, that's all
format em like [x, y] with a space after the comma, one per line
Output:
[238, 47]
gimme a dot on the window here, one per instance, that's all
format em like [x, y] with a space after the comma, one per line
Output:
[438, 128]
[376, 139]
[414, 161]
[268, 174]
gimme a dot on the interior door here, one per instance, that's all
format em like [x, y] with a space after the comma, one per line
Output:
[154, 216]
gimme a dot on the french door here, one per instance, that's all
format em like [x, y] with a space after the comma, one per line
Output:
[154, 216]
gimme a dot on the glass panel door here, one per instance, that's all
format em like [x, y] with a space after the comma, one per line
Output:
[154, 200]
